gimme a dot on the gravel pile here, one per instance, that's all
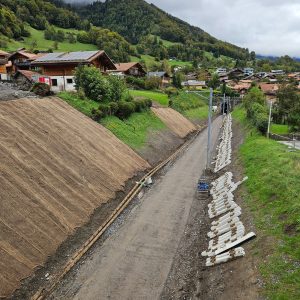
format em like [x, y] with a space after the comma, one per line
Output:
[10, 91]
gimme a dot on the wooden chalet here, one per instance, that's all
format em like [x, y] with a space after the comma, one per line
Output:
[165, 78]
[60, 67]
[22, 60]
[4, 65]
[129, 69]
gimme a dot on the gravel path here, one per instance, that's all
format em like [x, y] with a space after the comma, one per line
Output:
[134, 262]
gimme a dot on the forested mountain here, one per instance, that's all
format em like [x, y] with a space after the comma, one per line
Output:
[17, 15]
[136, 19]
[114, 26]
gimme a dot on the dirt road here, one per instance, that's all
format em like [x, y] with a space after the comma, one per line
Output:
[134, 261]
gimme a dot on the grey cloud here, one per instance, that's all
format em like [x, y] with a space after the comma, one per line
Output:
[265, 26]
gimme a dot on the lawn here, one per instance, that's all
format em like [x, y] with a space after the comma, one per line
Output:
[150, 60]
[279, 129]
[273, 194]
[42, 44]
[132, 131]
[161, 98]
[197, 114]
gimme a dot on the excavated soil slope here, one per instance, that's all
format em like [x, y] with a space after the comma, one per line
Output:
[174, 120]
[56, 167]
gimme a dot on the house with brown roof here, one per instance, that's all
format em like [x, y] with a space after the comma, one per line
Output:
[129, 69]
[4, 65]
[22, 60]
[25, 78]
[60, 67]
[269, 89]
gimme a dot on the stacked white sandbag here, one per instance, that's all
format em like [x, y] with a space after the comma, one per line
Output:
[224, 149]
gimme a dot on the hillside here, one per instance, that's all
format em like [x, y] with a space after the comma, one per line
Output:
[123, 29]
[136, 19]
[57, 167]
[42, 25]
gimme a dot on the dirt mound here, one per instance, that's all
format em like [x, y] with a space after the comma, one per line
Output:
[175, 121]
[57, 167]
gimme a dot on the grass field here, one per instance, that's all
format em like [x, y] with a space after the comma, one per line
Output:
[279, 129]
[43, 44]
[273, 194]
[161, 98]
[150, 60]
[132, 131]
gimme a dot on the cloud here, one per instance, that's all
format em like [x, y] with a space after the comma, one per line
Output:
[269, 27]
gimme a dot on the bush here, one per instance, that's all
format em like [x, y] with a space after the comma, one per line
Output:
[96, 114]
[135, 82]
[125, 109]
[41, 89]
[105, 108]
[152, 83]
[117, 86]
[113, 108]
[93, 83]
[261, 121]
[171, 91]
[255, 109]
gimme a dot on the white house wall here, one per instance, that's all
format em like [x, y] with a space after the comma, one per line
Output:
[62, 84]
[4, 76]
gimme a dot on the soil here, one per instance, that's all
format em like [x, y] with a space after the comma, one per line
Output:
[235, 280]
[160, 145]
[57, 167]
[175, 121]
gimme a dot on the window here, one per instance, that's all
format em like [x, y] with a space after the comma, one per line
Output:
[54, 82]
[69, 80]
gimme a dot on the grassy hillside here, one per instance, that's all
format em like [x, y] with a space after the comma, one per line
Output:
[273, 194]
[136, 19]
[191, 105]
[133, 131]
[36, 40]
[161, 98]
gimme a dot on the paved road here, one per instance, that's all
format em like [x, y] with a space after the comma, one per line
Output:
[134, 262]
[295, 144]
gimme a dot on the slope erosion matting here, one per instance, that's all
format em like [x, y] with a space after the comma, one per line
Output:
[56, 167]
[175, 121]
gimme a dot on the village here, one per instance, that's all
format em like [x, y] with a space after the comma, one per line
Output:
[57, 70]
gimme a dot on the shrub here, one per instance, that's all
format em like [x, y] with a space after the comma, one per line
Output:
[41, 89]
[140, 105]
[96, 114]
[152, 83]
[125, 109]
[135, 82]
[93, 83]
[117, 86]
[105, 108]
[261, 122]
[113, 108]
[171, 91]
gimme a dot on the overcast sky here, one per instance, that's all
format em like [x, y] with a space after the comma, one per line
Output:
[269, 27]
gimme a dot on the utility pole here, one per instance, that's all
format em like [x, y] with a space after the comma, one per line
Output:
[223, 104]
[209, 130]
[269, 123]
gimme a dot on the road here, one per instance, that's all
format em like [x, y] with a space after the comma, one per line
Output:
[291, 144]
[134, 262]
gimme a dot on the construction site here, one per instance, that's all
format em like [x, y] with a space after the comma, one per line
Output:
[84, 216]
